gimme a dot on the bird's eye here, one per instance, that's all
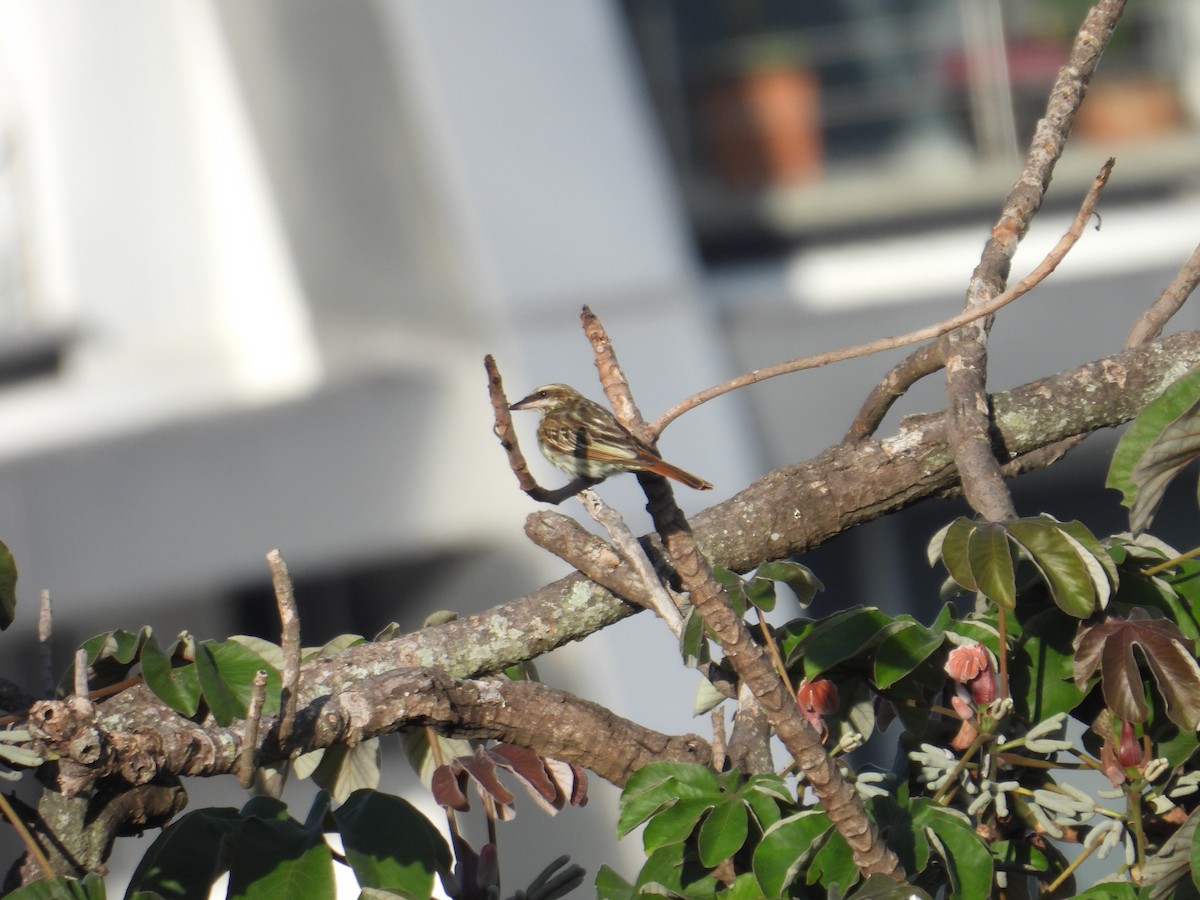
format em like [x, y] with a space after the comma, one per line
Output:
[543, 394]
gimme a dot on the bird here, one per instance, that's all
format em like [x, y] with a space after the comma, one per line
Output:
[585, 440]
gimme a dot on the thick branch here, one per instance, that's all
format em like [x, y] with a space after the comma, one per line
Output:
[838, 798]
[136, 738]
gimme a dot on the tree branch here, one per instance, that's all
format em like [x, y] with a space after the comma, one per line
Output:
[843, 487]
[1151, 322]
[838, 798]
[966, 349]
[136, 738]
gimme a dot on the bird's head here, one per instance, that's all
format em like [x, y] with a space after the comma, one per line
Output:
[548, 397]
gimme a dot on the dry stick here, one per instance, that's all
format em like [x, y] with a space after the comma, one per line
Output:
[719, 741]
[1150, 324]
[931, 357]
[289, 621]
[81, 678]
[838, 798]
[608, 517]
[1051, 261]
[925, 360]
[503, 429]
[45, 629]
[246, 760]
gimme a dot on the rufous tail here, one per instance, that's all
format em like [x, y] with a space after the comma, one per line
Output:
[670, 471]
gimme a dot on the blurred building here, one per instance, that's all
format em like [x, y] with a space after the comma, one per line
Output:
[252, 255]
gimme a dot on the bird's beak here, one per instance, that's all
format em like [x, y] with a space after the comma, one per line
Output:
[524, 403]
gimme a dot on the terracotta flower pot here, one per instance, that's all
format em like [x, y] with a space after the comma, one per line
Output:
[764, 126]
[1128, 109]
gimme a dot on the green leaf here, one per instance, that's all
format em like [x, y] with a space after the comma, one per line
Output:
[880, 887]
[1041, 676]
[769, 785]
[956, 554]
[343, 770]
[764, 807]
[611, 886]
[723, 832]
[707, 698]
[8, 587]
[785, 848]
[833, 866]
[744, 887]
[674, 824]
[110, 657]
[1094, 548]
[692, 637]
[178, 687]
[1054, 555]
[62, 888]
[390, 844]
[760, 593]
[1194, 855]
[968, 861]
[1110, 890]
[991, 562]
[266, 808]
[272, 654]
[676, 869]
[1018, 855]
[903, 650]
[840, 637]
[183, 862]
[227, 673]
[653, 787]
[270, 858]
[799, 578]
[1154, 448]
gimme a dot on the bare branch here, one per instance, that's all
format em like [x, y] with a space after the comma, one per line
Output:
[595, 558]
[289, 621]
[1150, 324]
[503, 429]
[660, 601]
[247, 764]
[867, 420]
[930, 358]
[343, 708]
[45, 631]
[81, 676]
[966, 348]
[612, 378]
[838, 799]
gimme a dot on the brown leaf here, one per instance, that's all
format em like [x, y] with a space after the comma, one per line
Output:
[570, 782]
[481, 768]
[447, 784]
[1169, 655]
[530, 768]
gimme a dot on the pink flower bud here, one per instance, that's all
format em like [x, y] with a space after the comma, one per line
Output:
[983, 688]
[972, 665]
[819, 696]
[964, 664]
[1129, 753]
